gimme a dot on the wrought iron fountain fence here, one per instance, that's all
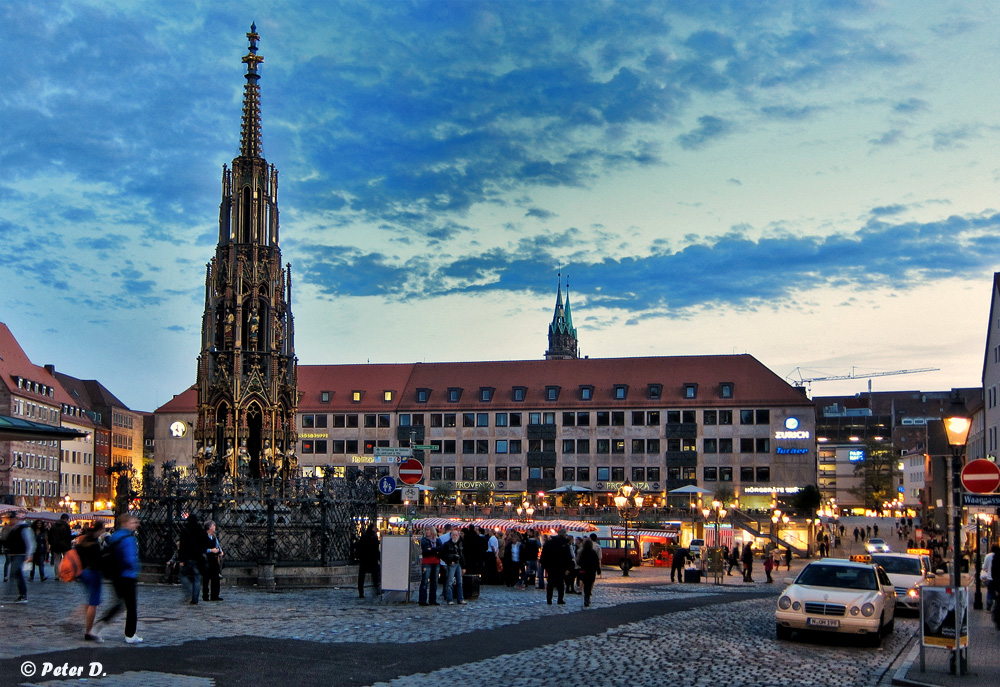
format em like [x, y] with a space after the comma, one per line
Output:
[304, 521]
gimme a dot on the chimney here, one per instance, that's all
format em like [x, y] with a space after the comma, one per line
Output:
[51, 369]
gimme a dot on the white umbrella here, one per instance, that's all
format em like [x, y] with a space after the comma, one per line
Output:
[689, 489]
[571, 487]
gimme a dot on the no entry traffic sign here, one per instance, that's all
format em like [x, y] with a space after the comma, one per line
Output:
[981, 476]
[411, 471]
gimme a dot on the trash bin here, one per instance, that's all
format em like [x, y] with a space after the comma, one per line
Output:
[470, 586]
[692, 575]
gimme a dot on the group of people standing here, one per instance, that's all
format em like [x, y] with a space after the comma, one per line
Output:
[39, 543]
[517, 561]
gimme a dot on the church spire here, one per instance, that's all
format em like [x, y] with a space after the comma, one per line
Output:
[562, 334]
[250, 134]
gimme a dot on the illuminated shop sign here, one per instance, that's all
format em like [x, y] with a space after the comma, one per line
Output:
[783, 451]
[377, 460]
[792, 430]
[472, 486]
[771, 490]
[856, 454]
[313, 435]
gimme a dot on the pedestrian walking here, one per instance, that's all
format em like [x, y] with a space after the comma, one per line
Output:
[589, 563]
[41, 552]
[986, 574]
[89, 551]
[430, 563]
[368, 560]
[556, 561]
[124, 551]
[213, 565]
[788, 558]
[19, 544]
[747, 559]
[768, 567]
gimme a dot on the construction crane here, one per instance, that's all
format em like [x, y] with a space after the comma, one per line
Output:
[804, 381]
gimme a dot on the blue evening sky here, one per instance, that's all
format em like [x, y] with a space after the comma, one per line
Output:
[814, 183]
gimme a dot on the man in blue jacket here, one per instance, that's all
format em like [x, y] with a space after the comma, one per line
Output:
[126, 554]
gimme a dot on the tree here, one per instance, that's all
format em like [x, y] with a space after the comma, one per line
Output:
[878, 474]
[442, 492]
[725, 494]
[484, 494]
[808, 499]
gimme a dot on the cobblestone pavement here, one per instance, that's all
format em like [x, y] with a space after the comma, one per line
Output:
[685, 633]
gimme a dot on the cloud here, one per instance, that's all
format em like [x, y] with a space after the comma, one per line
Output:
[787, 112]
[955, 137]
[539, 213]
[709, 129]
[910, 105]
[888, 138]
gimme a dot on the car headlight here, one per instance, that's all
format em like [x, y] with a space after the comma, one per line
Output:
[914, 593]
[855, 610]
[796, 605]
[784, 603]
[868, 610]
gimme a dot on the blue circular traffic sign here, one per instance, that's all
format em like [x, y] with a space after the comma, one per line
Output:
[387, 485]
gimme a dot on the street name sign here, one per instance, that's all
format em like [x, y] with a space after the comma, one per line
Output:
[981, 476]
[426, 447]
[988, 500]
[411, 471]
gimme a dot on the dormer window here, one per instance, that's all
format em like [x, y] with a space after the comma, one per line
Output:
[690, 391]
[726, 390]
[552, 393]
[518, 393]
[356, 396]
[454, 394]
[621, 392]
[423, 395]
[387, 396]
[486, 394]
[655, 391]
[586, 393]
[324, 396]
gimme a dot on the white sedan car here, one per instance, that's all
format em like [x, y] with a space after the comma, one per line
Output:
[839, 595]
[908, 572]
[877, 546]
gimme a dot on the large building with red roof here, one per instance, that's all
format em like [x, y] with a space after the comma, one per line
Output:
[535, 425]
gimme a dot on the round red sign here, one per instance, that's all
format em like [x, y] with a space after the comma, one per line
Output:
[981, 476]
[411, 471]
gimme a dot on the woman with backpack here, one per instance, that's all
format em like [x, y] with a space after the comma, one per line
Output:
[88, 547]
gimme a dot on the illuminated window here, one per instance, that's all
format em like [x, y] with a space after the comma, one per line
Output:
[356, 396]
[386, 395]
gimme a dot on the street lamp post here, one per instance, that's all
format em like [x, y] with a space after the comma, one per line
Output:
[720, 515]
[66, 503]
[628, 501]
[957, 429]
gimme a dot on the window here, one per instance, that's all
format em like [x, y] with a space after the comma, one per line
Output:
[746, 474]
[517, 393]
[725, 417]
[501, 419]
[569, 474]
[586, 393]
[482, 419]
[710, 417]
[370, 420]
[618, 446]
[653, 474]
[726, 390]
[448, 446]
[688, 417]
[534, 418]
[515, 473]
[638, 418]
[725, 445]
[652, 445]
[583, 474]
[534, 473]
[468, 473]
[673, 417]
[764, 474]
[617, 474]
[618, 418]
[673, 445]
[356, 396]
[515, 447]
[482, 446]
[603, 446]
[423, 395]
[746, 445]
[500, 474]
[621, 392]
[482, 473]
[763, 445]
[711, 446]
[435, 474]
[384, 420]
[485, 394]
[337, 446]
[321, 446]
[307, 447]
[690, 391]
[710, 474]
[583, 419]
[515, 419]
[449, 419]
[654, 391]
[763, 417]
[418, 419]
[569, 419]
[468, 446]
[454, 395]
[603, 474]
[638, 474]
[307, 422]
[552, 393]
[568, 446]
[638, 446]
[603, 418]
[386, 396]
[501, 446]
[746, 417]
[726, 474]
[324, 397]
[583, 445]
[449, 472]
[653, 418]
[351, 446]
[404, 420]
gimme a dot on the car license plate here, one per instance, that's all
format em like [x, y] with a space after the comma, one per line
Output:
[823, 622]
